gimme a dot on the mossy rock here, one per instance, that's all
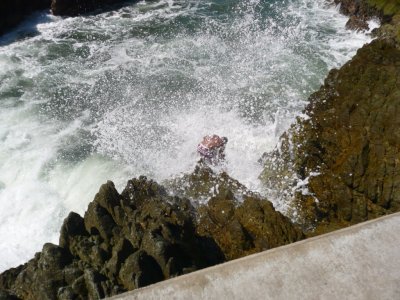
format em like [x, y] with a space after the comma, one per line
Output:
[204, 183]
[241, 222]
[348, 148]
[124, 241]
[143, 235]
[245, 228]
[388, 7]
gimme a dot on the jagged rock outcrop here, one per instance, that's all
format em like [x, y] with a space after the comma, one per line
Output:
[361, 11]
[144, 235]
[238, 220]
[13, 12]
[123, 242]
[348, 149]
[243, 228]
[346, 153]
[204, 183]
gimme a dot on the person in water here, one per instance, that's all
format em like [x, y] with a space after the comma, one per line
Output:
[211, 148]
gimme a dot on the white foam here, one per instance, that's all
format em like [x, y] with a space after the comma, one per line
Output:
[133, 91]
[33, 200]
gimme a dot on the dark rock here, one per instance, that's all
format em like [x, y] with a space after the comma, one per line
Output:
[79, 286]
[53, 257]
[93, 280]
[41, 277]
[389, 30]
[361, 9]
[73, 7]
[13, 12]
[243, 228]
[4, 295]
[78, 7]
[99, 222]
[8, 277]
[140, 269]
[202, 184]
[144, 235]
[124, 241]
[348, 148]
[73, 226]
[347, 151]
[358, 24]
[66, 293]
[241, 222]
[385, 9]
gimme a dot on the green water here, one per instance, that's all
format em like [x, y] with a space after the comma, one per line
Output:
[132, 91]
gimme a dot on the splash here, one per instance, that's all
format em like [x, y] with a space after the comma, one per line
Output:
[133, 91]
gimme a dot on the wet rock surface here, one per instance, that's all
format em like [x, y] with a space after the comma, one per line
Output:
[238, 220]
[348, 149]
[142, 236]
[340, 165]
[243, 228]
[361, 11]
[204, 183]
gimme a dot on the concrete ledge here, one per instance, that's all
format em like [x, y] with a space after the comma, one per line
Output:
[359, 262]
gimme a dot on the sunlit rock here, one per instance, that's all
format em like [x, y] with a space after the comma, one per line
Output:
[144, 235]
[348, 148]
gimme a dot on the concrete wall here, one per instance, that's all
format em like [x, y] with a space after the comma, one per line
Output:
[359, 262]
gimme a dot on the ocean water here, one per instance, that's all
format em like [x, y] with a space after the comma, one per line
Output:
[132, 91]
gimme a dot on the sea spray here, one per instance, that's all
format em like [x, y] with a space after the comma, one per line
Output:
[132, 91]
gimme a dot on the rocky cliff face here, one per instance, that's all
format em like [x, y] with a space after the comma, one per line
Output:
[348, 148]
[142, 236]
[361, 11]
[344, 159]
[239, 221]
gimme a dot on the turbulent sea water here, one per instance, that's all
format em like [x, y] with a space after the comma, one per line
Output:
[132, 91]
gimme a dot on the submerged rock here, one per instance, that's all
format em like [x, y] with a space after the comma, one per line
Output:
[142, 236]
[348, 150]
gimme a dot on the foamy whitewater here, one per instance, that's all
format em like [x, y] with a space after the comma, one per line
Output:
[131, 92]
